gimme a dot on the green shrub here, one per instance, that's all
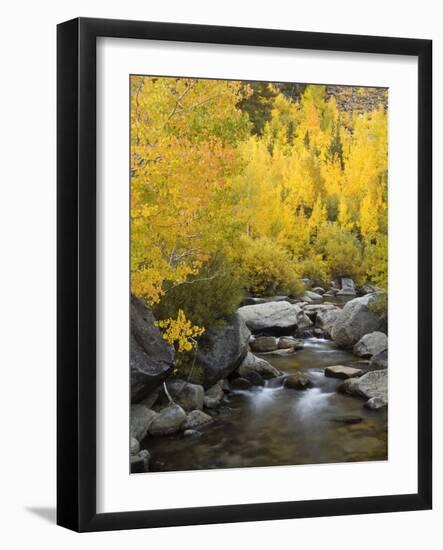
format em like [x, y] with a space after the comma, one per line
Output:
[207, 298]
[380, 305]
[316, 269]
[341, 251]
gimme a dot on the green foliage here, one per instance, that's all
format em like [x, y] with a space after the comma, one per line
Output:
[316, 269]
[258, 104]
[207, 298]
[268, 268]
[341, 251]
[380, 305]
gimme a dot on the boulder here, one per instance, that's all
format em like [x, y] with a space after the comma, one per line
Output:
[168, 421]
[307, 282]
[297, 381]
[342, 372]
[140, 462]
[347, 287]
[222, 349]
[375, 403]
[151, 358]
[196, 419]
[372, 384]
[256, 364]
[355, 320]
[371, 344]
[188, 396]
[274, 317]
[141, 419]
[379, 361]
[264, 343]
[325, 319]
[134, 446]
[309, 294]
[303, 323]
[318, 290]
[286, 342]
[213, 396]
[151, 399]
[348, 386]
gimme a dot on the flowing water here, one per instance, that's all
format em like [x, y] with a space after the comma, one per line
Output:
[274, 425]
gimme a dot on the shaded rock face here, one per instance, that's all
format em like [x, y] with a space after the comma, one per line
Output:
[168, 421]
[379, 361]
[340, 371]
[221, 350]
[255, 378]
[141, 419]
[274, 318]
[188, 396]
[240, 384]
[326, 319]
[355, 320]
[134, 446]
[258, 365]
[151, 358]
[192, 433]
[371, 344]
[214, 396]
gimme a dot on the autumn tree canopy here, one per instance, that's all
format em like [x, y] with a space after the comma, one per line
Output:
[249, 186]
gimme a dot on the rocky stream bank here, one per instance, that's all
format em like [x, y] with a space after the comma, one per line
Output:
[282, 382]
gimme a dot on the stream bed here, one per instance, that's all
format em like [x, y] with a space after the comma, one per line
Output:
[274, 425]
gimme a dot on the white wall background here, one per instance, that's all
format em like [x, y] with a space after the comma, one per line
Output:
[27, 290]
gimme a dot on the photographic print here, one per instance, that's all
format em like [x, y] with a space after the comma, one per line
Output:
[259, 271]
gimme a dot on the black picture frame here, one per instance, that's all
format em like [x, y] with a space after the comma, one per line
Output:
[76, 265]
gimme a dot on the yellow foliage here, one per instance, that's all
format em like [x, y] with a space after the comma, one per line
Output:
[180, 332]
[307, 196]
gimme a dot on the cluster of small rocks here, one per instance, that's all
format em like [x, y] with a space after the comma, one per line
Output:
[353, 99]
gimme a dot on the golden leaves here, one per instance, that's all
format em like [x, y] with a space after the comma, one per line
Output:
[180, 332]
